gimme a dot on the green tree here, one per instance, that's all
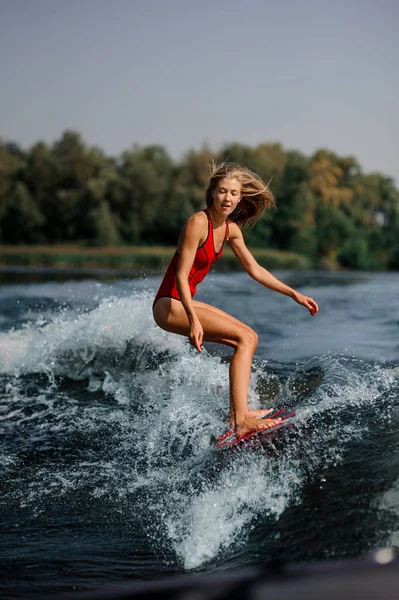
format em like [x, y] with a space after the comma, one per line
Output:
[294, 221]
[333, 229]
[186, 196]
[146, 179]
[21, 220]
[9, 165]
[76, 164]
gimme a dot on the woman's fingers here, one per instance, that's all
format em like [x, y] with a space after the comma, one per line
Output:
[196, 339]
[312, 307]
[198, 343]
[201, 337]
[308, 303]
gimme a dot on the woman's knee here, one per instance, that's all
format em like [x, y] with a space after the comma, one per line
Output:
[248, 338]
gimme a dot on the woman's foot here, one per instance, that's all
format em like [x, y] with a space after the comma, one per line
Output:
[250, 424]
[260, 414]
[257, 414]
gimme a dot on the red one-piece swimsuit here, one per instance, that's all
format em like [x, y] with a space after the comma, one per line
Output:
[204, 258]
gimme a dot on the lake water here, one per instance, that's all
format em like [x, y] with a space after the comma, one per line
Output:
[109, 471]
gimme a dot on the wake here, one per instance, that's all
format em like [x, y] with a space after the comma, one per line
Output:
[102, 404]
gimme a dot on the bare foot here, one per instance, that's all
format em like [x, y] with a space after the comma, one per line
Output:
[251, 424]
[257, 414]
[260, 414]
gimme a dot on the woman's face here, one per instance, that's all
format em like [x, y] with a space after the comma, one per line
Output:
[227, 195]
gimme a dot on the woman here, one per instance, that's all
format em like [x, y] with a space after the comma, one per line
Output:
[235, 197]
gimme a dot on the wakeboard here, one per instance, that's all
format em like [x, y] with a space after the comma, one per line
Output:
[229, 439]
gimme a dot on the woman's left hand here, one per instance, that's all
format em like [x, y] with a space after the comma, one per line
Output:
[308, 303]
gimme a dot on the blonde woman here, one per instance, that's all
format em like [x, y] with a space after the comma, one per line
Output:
[235, 197]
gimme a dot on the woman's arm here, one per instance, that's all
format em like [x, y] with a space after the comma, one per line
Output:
[193, 233]
[263, 276]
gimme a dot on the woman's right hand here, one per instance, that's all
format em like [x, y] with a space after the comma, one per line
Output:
[196, 334]
[307, 302]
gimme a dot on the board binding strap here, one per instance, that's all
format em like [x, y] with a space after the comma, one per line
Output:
[230, 438]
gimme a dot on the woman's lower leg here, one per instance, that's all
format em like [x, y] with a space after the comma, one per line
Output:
[219, 327]
[240, 372]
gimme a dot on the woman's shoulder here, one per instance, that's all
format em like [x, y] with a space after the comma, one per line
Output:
[197, 220]
[198, 217]
[196, 225]
[234, 230]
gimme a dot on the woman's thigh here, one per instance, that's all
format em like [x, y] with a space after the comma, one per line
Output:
[218, 326]
[219, 312]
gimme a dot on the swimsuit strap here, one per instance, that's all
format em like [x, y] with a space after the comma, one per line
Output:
[226, 233]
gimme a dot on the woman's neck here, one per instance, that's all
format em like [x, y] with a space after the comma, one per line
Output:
[217, 219]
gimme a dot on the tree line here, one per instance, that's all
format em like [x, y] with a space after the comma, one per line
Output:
[327, 208]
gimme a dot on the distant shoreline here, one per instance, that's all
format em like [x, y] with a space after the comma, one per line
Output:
[125, 258]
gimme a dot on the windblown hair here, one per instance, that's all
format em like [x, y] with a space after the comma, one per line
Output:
[255, 194]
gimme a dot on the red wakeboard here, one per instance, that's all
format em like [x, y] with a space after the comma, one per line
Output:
[230, 437]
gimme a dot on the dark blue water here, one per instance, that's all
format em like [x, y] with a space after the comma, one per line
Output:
[108, 469]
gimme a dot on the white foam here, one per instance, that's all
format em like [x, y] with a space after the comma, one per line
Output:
[73, 339]
[222, 514]
[160, 417]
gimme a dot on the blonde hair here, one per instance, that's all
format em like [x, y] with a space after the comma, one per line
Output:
[255, 194]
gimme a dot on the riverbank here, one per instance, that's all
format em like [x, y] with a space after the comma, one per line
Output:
[136, 258]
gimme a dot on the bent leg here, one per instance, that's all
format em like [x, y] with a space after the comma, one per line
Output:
[220, 327]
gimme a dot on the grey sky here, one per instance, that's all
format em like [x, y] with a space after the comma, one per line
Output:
[310, 74]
